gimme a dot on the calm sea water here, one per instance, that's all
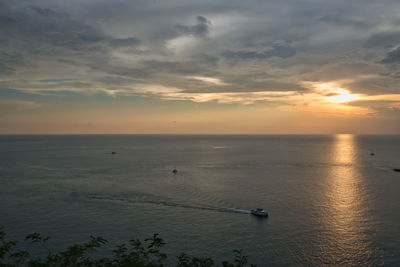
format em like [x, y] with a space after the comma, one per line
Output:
[330, 201]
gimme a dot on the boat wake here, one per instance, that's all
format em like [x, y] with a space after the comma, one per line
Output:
[236, 210]
[172, 204]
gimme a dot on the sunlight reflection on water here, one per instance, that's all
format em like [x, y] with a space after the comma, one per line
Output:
[346, 210]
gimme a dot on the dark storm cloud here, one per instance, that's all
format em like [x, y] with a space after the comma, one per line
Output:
[198, 65]
[53, 37]
[392, 56]
[108, 69]
[33, 32]
[276, 51]
[386, 39]
[114, 80]
[125, 42]
[57, 80]
[36, 26]
[341, 21]
[9, 61]
[201, 29]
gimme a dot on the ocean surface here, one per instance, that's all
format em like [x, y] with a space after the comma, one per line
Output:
[330, 201]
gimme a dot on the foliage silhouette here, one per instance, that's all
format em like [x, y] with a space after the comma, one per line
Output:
[136, 253]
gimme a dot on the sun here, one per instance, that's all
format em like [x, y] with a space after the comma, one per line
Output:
[341, 96]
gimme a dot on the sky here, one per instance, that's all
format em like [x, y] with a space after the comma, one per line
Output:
[199, 67]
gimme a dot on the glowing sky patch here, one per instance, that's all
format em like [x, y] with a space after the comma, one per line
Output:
[342, 96]
[210, 80]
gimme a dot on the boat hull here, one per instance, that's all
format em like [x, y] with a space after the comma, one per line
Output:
[259, 213]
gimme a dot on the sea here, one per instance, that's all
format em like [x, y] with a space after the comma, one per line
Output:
[333, 200]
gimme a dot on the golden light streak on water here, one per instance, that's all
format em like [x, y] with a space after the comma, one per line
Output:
[346, 211]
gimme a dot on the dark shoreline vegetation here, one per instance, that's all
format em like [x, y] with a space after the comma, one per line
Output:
[136, 253]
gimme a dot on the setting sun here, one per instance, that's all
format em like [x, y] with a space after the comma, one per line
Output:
[341, 96]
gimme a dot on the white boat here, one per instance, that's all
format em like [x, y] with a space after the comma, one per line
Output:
[259, 212]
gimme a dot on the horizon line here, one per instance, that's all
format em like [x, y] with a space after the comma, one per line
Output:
[197, 134]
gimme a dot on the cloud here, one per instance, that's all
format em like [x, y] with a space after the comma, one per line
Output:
[229, 98]
[236, 50]
[37, 25]
[385, 39]
[8, 106]
[209, 80]
[9, 62]
[57, 80]
[201, 29]
[125, 42]
[276, 51]
[203, 65]
[37, 35]
[392, 56]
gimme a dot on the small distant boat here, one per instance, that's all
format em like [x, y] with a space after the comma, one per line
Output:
[372, 153]
[396, 170]
[113, 152]
[259, 212]
[175, 170]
